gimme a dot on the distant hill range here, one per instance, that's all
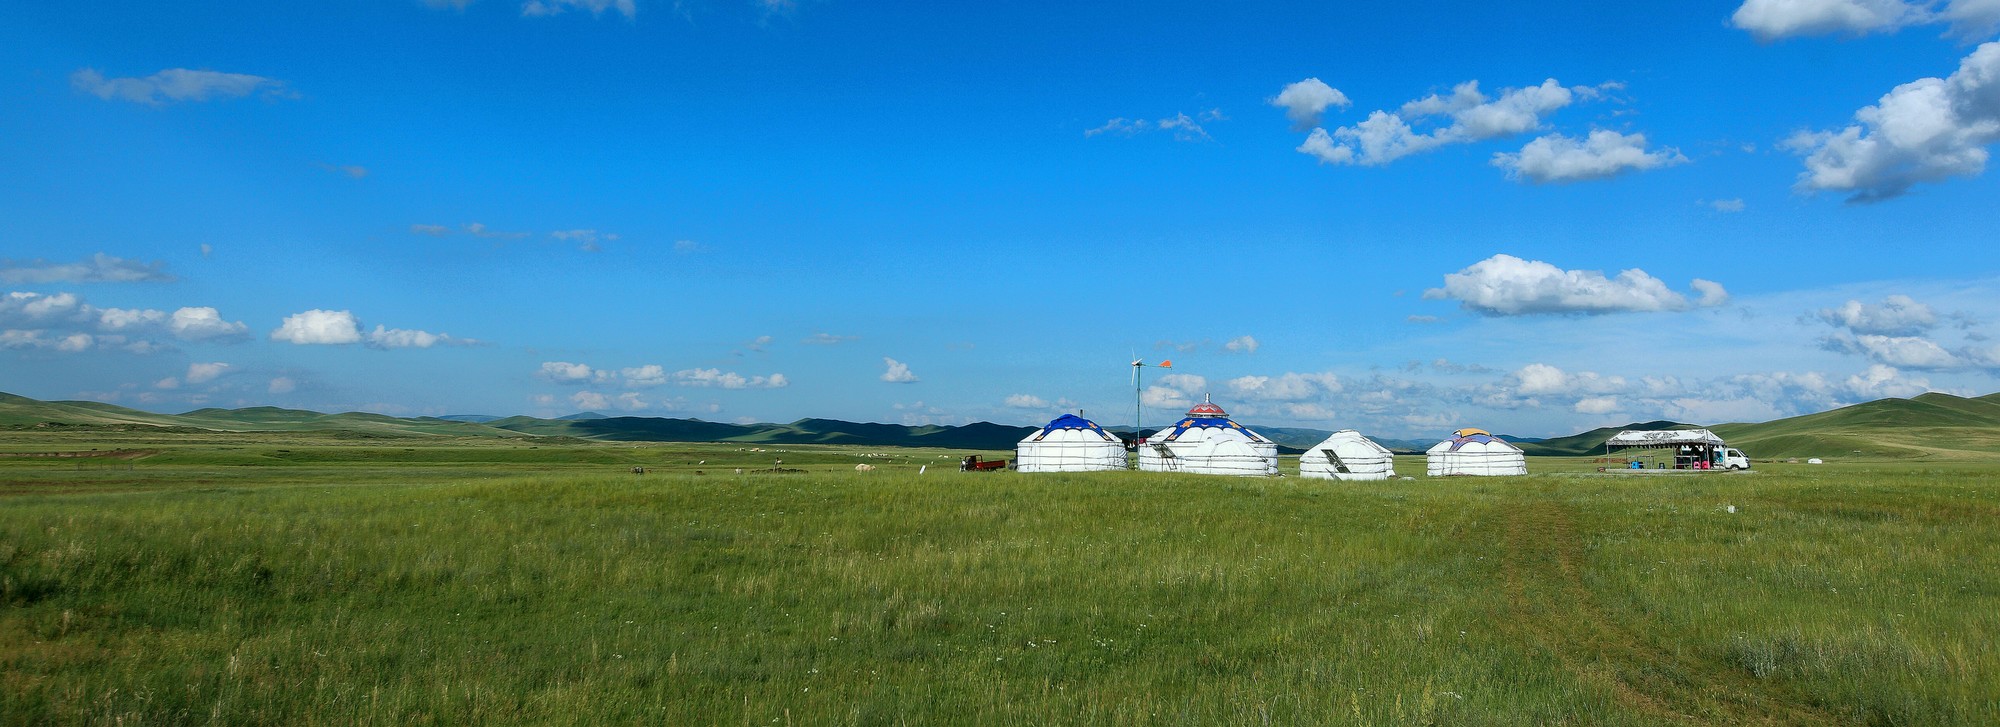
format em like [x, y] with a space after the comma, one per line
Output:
[1931, 425]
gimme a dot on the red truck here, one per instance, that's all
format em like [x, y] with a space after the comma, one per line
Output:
[972, 463]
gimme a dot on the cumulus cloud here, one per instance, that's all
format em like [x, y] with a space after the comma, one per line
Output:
[176, 84]
[1286, 387]
[1242, 344]
[1775, 19]
[645, 376]
[1466, 115]
[99, 268]
[1174, 391]
[1896, 315]
[1778, 19]
[542, 8]
[590, 400]
[1182, 126]
[1927, 130]
[319, 327]
[1504, 285]
[1026, 401]
[1304, 102]
[1538, 379]
[1597, 405]
[1910, 352]
[566, 372]
[1604, 154]
[202, 373]
[385, 337]
[898, 372]
[1727, 205]
[205, 324]
[282, 385]
[731, 380]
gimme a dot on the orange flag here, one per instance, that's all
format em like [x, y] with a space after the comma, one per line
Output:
[1166, 364]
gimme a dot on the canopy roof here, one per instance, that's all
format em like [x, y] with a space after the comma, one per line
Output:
[1669, 438]
[1071, 422]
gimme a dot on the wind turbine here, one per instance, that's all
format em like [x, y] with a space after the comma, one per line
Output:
[1138, 396]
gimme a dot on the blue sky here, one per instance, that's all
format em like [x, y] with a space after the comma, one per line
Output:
[1401, 219]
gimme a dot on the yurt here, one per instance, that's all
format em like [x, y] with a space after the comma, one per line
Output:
[1208, 443]
[1475, 452]
[1070, 443]
[1347, 456]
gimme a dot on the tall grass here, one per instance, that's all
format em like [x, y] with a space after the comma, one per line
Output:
[887, 598]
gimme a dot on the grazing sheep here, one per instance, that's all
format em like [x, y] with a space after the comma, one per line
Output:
[864, 468]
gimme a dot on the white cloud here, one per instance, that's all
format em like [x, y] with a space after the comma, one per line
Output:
[167, 383]
[1286, 387]
[1304, 102]
[282, 385]
[1473, 116]
[1026, 401]
[1897, 315]
[353, 171]
[1538, 379]
[1505, 285]
[1184, 127]
[1604, 154]
[1727, 205]
[1711, 292]
[587, 240]
[479, 229]
[75, 342]
[130, 319]
[1910, 352]
[898, 372]
[1597, 405]
[1242, 344]
[645, 376]
[205, 324]
[99, 268]
[731, 380]
[828, 339]
[319, 327]
[385, 337]
[539, 8]
[1174, 391]
[202, 373]
[176, 84]
[566, 372]
[23, 309]
[1775, 19]
[688, 246]
[590, 400]
[432, 230]
[1926, 130]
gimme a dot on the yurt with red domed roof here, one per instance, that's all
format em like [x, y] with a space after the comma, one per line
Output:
[1475, 452]
[1207, 442]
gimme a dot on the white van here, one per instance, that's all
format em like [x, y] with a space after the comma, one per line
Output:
[1733, 459]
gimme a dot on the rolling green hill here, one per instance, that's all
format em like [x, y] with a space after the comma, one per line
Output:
[1929, 426]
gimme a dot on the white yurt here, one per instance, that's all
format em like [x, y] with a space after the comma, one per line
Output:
[1208, 443]
[1475, 452]
[1070, 443]
[1348, 456]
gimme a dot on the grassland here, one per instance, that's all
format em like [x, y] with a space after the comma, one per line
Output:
[301, 579]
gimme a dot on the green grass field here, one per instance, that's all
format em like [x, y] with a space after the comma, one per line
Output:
[297, 579]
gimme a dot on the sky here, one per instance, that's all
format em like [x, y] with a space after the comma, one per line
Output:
[1402, 218]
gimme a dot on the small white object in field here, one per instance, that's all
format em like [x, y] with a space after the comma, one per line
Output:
[1406, 478]
[1731, 509]
[739, 470]
[864, 467]
[1814, 460]
[920, 470]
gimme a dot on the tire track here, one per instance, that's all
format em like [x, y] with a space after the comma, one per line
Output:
[1550, 605]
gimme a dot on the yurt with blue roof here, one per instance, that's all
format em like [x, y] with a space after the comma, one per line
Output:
[1475, 452]
[1207, 442]
[1070, 443]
